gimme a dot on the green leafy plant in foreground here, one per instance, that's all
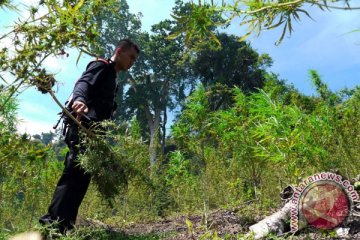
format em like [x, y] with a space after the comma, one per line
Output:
[110, 158]
[256, 15]
[28, 169]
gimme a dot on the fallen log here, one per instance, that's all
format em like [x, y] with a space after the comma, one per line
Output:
[27, 236]
[278, 222]
[275, 223]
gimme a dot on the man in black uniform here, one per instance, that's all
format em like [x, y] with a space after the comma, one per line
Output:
[93, 101]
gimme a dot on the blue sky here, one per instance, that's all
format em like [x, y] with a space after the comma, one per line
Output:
[324, 45]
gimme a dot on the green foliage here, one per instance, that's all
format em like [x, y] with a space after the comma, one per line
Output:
[45, 138]
[115, 23]
[109, 158]
[210, 235]
[182, 181]
[236, 64]
[326, 95]
[266, 140]
[7, 4]
[158, 85]
[199, 24]
[8, 107]
[25, 172]
[27, 176]
[227, 156]
[63, 26]
[86, 233]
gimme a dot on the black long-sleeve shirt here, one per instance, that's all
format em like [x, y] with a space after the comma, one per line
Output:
[97, 89]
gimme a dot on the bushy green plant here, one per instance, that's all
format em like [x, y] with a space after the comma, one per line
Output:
[28, 172]
[182, 181]
[110, 156]
[231, 157]
[8, 108]
[267, 140]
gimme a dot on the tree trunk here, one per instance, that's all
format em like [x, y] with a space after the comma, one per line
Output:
[163, 135]
[153, 120]
[154, 125]
[153, 148]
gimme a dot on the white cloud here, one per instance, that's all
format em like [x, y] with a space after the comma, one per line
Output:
[32, 127]
[30, 2]
[5, 42]
[54, 64]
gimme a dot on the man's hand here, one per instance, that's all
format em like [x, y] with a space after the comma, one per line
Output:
[80, 109]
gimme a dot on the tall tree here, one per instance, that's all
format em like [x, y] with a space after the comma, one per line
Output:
[236, 64]
[47, 138]
[115, 24]
[158, 81]
[158, 85]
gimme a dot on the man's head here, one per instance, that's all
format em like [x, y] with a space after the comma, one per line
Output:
[125, 54]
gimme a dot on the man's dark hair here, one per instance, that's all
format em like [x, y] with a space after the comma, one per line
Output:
[127, 44]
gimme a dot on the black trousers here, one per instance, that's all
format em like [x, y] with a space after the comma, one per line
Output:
[71, 187]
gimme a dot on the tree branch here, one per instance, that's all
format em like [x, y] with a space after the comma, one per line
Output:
[281, 5]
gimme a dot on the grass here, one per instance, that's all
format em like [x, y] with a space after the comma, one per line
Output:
[90, 233]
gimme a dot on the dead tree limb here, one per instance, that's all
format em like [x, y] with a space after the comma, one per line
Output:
[275, 223]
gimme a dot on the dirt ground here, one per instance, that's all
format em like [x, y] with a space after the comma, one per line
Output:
[227, 225]
[224, 222]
